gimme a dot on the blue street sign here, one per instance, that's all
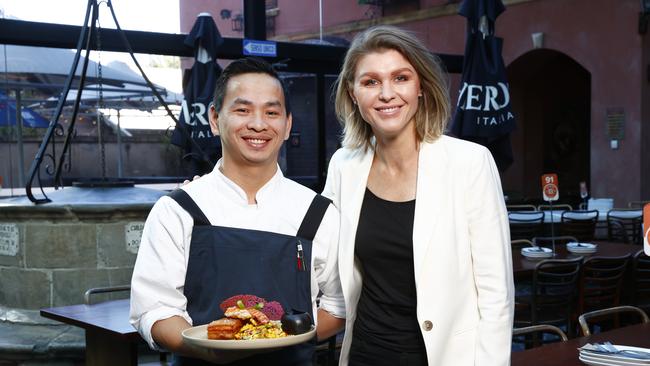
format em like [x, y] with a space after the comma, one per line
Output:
[259, 48]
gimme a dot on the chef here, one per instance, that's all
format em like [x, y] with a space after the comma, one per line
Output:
[242, 229]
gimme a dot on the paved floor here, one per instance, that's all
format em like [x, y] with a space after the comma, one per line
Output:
[26, 338]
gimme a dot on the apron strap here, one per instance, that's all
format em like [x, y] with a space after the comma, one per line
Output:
[313, 217]
[188, 204]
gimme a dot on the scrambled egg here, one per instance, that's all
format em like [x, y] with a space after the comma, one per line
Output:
[272, 329]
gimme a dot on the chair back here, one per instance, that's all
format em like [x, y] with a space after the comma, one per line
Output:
[583, 319]
[104, 290]
[554, 291]
[521, 208]
[601, 282]
[517, 244]
[526, 224]
[541, 328]
[558, 207]
[625, 225]
[581, 224]
[641, 271]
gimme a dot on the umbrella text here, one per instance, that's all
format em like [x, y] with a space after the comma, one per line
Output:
[483, 97]
[197, 113]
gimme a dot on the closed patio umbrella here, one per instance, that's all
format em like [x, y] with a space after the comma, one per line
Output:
[483, 113]
[205, 39]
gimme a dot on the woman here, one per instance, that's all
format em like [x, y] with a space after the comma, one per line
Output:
[424, 254]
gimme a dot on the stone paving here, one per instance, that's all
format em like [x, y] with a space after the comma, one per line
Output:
[27, 339]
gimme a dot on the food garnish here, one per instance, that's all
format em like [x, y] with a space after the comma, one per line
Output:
[248, 317]
[272, 309]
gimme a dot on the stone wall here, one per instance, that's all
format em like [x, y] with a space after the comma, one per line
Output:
[49, 256]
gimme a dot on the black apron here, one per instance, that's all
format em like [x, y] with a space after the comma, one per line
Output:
[227, 261]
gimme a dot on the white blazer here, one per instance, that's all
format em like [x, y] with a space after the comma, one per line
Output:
[461, 250]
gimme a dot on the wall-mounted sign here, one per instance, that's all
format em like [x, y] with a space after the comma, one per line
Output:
[133, 234]
[615, 123]
[9, 239]
[550, 185]
[259, 48]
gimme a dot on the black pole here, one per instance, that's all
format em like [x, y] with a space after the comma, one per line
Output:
[254, 19]
[321, 99]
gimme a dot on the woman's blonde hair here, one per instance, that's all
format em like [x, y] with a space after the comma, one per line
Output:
[433, 107]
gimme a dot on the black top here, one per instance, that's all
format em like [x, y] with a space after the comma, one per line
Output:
[386, 313]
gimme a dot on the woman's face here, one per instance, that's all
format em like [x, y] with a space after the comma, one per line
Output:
[386, 90]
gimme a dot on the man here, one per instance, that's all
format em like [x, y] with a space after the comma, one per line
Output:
[237, 230]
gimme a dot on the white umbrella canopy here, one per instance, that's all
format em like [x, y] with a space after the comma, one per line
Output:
[44, 61]
[121, 86]
[125, 96]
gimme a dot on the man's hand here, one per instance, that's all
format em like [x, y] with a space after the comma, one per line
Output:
[167, 334]
[328, 325]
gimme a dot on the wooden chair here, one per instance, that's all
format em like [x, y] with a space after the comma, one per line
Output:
[554, 295]
[581, 224]
[526, 224]
[608, 313]
[625, 225]
[601, 281]
[558, 207]
[641, 274]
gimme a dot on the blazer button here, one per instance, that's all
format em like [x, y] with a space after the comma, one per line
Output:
[427, 325]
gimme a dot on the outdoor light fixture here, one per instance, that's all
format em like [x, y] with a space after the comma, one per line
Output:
[225, 13]
[238, 23]
[644, 16]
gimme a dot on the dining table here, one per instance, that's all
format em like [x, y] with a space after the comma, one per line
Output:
[110, 339]
[566, 353]
[524, 266]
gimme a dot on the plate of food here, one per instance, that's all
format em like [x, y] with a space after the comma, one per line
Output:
[248, 325]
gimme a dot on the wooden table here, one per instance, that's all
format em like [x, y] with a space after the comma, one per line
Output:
[523, 266]
[110, 339]
[566, 353]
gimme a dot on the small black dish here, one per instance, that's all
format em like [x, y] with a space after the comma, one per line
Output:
[296, 322]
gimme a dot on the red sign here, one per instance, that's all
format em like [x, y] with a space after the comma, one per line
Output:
[550, 190]
[646, 229]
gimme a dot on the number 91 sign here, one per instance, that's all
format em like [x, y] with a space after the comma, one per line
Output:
[550, 190]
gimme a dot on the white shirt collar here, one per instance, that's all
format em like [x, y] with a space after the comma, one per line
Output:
[264, 194]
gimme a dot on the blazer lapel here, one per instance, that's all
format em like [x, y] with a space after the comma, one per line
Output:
[354, 179]
[429, 198]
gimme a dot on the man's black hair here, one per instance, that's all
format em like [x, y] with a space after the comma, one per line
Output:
[249, 65]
